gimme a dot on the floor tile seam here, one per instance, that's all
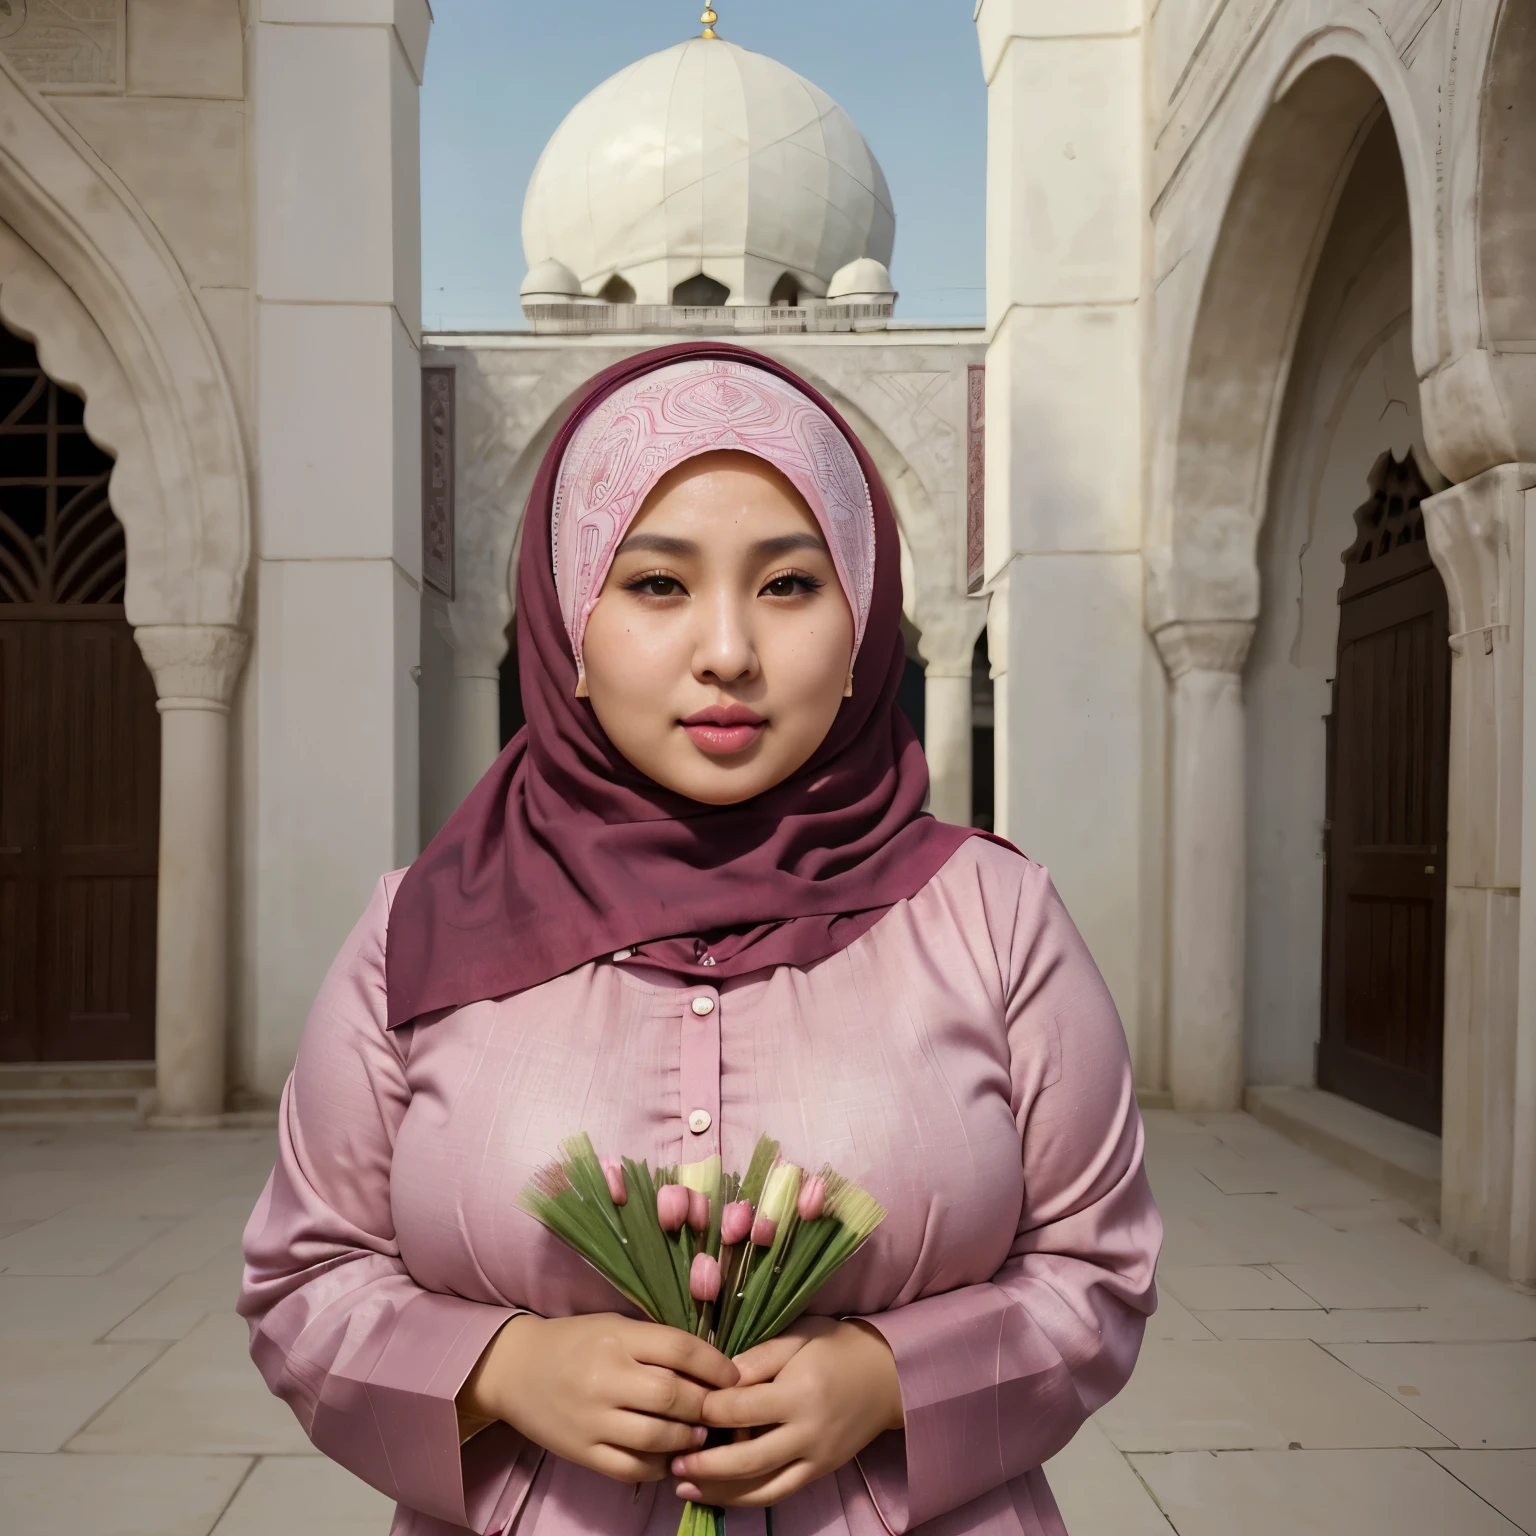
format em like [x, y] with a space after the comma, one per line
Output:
[1449, 1472]
[1392, 1398]
[140, 1455]
[1146, 1487]
[159, 1352]
[234, 1494]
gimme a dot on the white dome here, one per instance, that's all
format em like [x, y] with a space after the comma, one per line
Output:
[548, 282]
[707, 158]
[865, 281]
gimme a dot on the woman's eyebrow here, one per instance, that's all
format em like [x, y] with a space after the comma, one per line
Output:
[658, 544]
[788, 544]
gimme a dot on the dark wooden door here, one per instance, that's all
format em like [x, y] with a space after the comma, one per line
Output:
[79, 745]
[1384, 949]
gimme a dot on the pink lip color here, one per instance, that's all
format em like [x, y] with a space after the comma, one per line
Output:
[724, 730]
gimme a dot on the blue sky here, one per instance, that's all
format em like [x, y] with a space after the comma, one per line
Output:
[501, 74]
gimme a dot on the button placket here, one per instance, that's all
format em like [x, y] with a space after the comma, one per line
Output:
[699, 1077]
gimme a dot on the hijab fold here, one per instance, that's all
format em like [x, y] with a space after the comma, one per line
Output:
[564, 852]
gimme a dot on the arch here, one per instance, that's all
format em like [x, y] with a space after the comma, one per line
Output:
[86, 276]
[1502, 355]
[701, 291]
[1276, 217]
[785, 292]
[617, 291]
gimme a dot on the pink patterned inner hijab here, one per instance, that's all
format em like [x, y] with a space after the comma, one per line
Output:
[565, 852]
[645, 429]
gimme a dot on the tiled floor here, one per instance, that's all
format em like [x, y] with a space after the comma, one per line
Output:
[1316, 1366]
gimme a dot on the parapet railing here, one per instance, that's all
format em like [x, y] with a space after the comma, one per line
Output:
[596, 316]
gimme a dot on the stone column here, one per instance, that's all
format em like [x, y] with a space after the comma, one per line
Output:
[334, 755]
[1065, 235]
[947, 711]
[194, 667]
[1477, 535]
[476, 737]
[1207, 857]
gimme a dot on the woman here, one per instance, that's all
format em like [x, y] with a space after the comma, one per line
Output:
[697, 900]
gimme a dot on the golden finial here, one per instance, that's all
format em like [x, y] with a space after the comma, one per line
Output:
[709, 18]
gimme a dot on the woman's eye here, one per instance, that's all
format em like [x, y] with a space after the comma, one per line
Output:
[655, 586]
[791, 585]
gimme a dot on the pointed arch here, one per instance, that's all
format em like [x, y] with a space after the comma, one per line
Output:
[87, 277]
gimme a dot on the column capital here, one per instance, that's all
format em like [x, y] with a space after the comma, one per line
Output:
[194, 665]
[1204, 645]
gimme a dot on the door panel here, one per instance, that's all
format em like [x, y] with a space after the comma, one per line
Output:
[79, 743]
[1384, 981]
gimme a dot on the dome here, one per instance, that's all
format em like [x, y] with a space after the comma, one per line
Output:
[550, 282]
[710, 168]
[865, 281]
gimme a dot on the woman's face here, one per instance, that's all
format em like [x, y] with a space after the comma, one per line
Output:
[720, 647]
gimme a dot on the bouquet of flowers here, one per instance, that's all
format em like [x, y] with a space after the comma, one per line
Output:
[734, 1259]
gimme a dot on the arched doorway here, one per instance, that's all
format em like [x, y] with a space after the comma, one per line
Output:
[79, 744]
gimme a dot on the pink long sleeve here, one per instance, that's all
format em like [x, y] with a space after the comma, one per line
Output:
[998, 1377]
[369, 1361]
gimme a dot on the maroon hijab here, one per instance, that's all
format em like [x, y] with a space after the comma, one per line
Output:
[564, 852]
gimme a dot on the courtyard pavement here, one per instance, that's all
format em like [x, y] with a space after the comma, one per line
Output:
[1317, 1365]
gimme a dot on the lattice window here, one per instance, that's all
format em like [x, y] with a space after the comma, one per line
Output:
[59, 542]
[1389, 528]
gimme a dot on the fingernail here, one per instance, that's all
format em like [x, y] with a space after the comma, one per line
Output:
[700, 1434]
[690, 1492]
[679, 1466]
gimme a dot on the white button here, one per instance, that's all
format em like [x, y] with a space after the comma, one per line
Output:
[699, 1121]
[703, 1006]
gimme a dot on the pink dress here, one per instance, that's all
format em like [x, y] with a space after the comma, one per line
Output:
[962, 1059]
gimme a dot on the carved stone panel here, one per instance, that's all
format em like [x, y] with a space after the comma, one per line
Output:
[437, 411]
[64, 45]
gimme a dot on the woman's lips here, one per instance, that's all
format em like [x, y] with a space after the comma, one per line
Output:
[723, 732]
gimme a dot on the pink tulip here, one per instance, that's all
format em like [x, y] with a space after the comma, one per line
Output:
[671, 1207]
[698, 1210]
[813, 1198]
[613, 1171]
[736, 1222]
[704, 1278]
[764, 1230]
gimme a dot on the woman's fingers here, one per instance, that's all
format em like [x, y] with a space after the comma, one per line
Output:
[654, 1389]
[754, 1494]
[625, 1466]
[745, 1407]
[682, 1352]
[742, 1460]
[765, 1361]
[650, 1436]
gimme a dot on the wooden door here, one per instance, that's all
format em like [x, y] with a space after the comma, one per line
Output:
[1384, 944]
[79, 745]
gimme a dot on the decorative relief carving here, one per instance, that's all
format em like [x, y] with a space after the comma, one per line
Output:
[976, 478]
[64, 44]
[437, 490]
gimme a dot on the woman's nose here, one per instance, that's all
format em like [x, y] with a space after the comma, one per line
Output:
[725, 651]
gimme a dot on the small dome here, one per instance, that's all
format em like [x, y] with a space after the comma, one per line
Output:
[865, 281]
[550, 282]
[707, 161]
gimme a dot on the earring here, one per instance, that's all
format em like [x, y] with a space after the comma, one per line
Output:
[581, 685]
[848, 687]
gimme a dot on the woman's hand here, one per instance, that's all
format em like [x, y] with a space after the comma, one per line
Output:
[827, 1387]
[608, 1392]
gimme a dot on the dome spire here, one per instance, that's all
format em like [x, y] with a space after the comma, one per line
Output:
[709, 18]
